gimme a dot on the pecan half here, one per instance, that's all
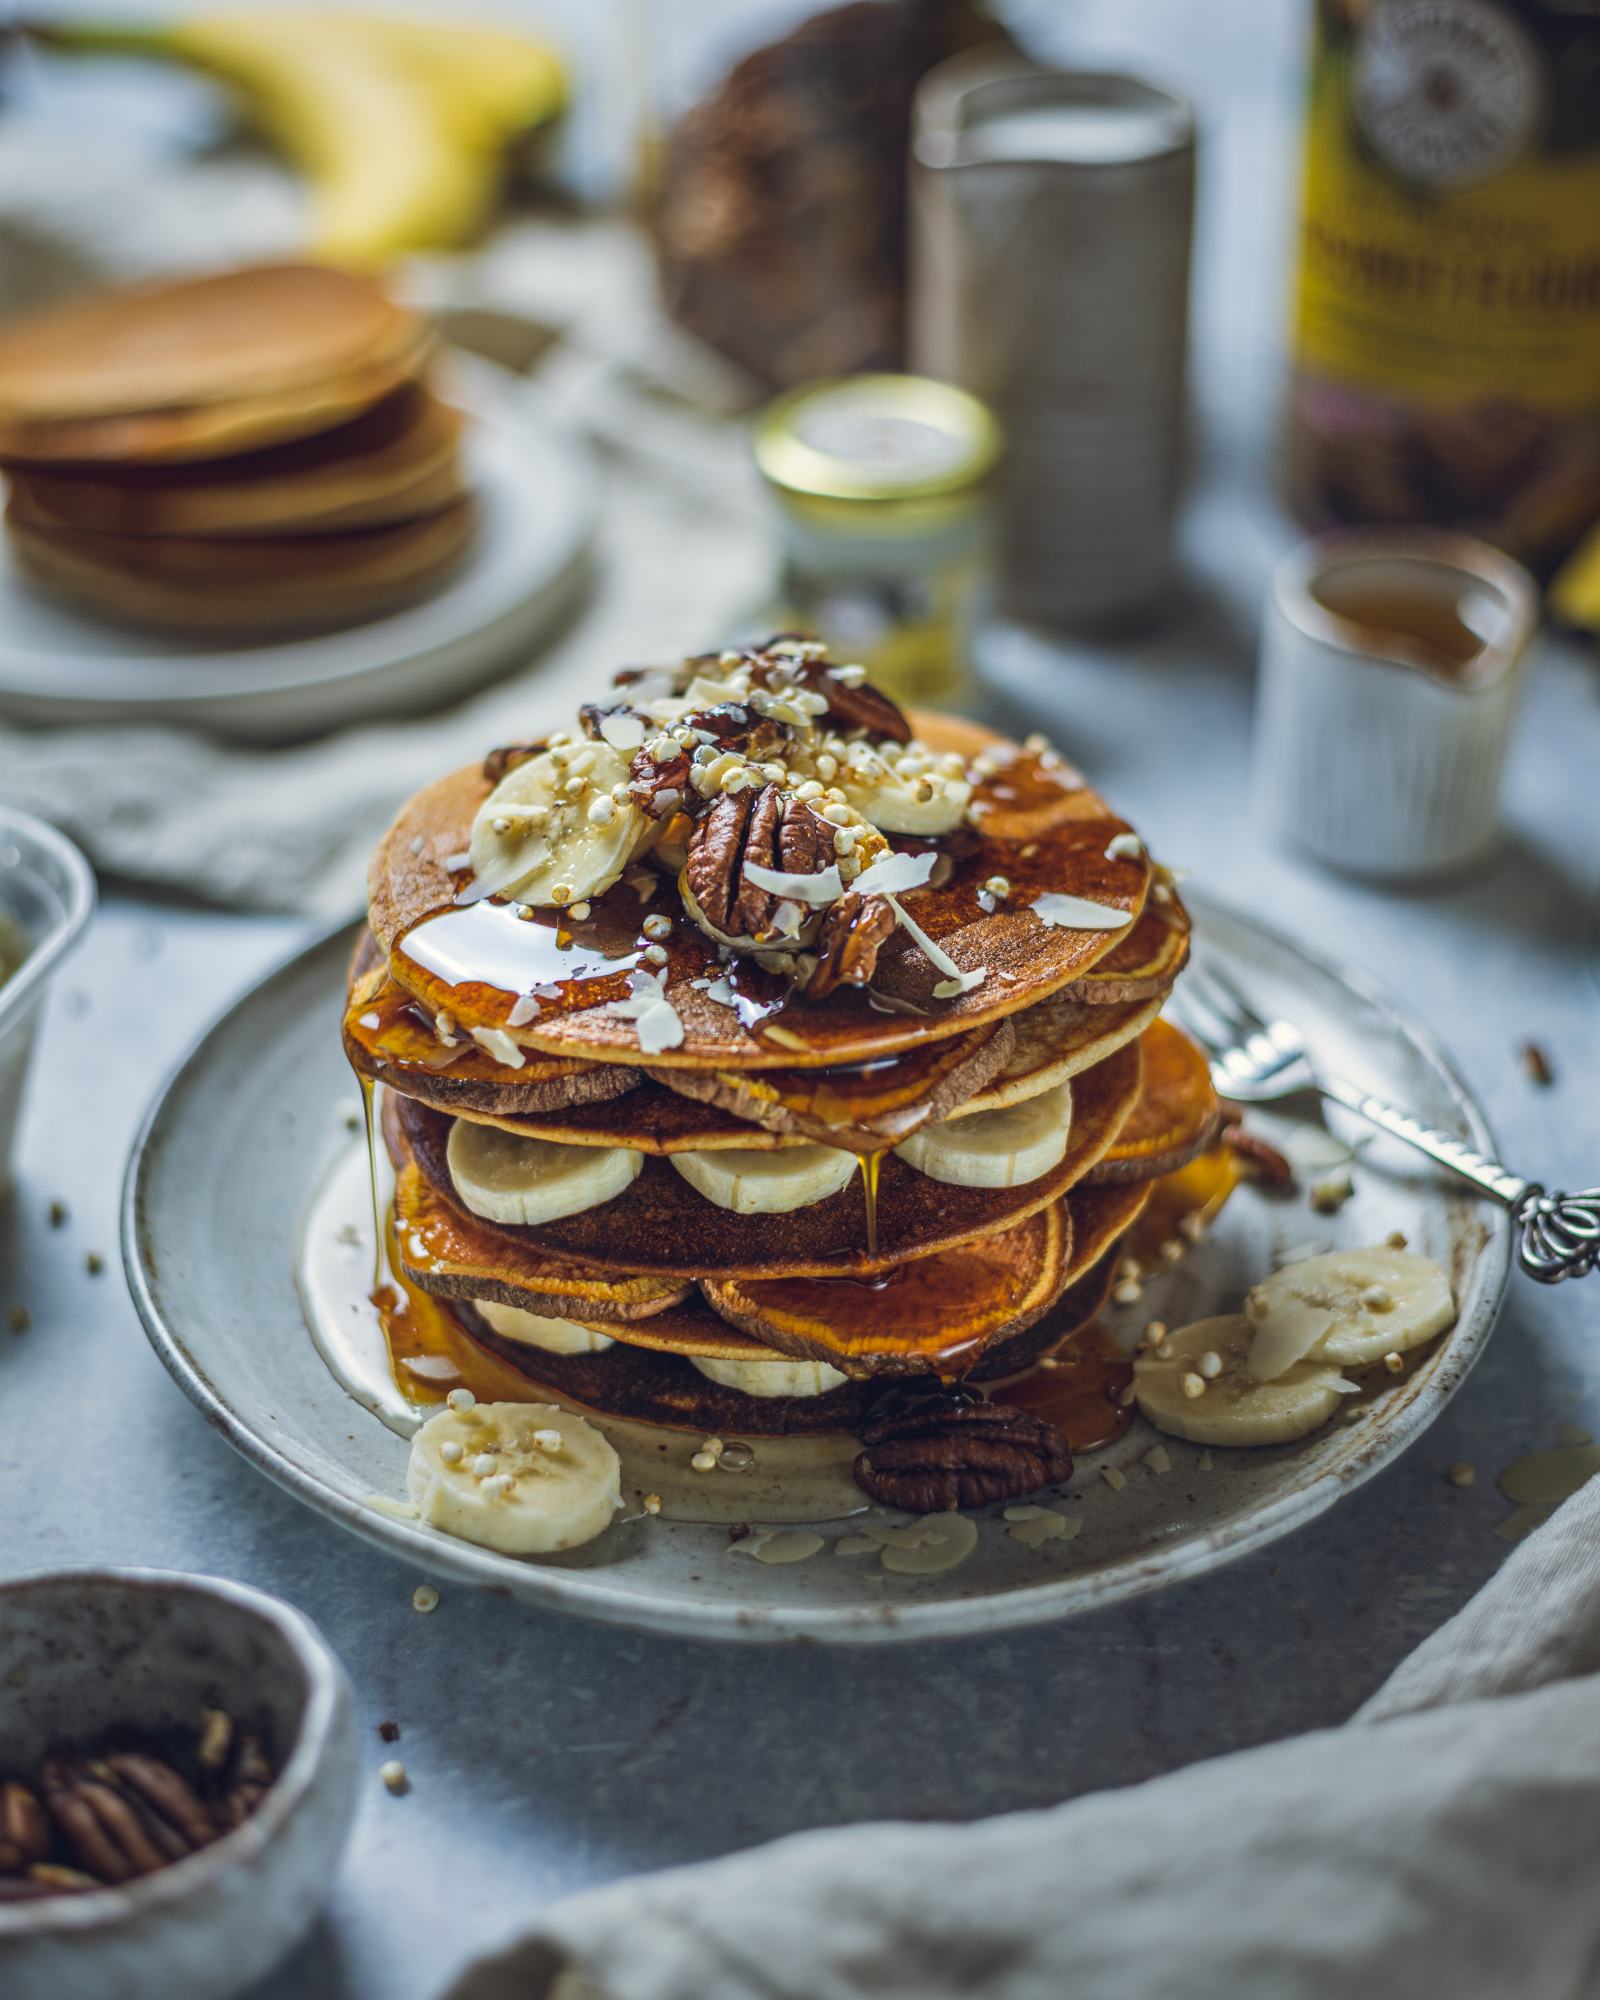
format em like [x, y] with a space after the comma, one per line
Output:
[1258, 1157]
[849, 708]
[24, 1824]
[941, 1454]
[847, 947]
[765, 827]
[660, 788]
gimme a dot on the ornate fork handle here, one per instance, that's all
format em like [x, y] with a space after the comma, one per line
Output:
[1558, 1235]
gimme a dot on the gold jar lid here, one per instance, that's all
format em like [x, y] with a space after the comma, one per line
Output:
[878, 439]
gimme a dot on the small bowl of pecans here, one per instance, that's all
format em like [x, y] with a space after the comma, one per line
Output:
[177, 1778]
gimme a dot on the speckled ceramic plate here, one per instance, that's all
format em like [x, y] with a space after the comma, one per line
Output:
[248, 1132]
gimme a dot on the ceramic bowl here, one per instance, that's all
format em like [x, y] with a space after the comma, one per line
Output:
[86, 1652]
[47, 892]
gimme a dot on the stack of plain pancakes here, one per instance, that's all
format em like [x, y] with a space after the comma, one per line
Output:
[633, 1153]
[244, 454]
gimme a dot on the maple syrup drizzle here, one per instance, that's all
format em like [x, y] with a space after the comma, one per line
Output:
[871, 1165]
[368, 1118]
[430, 1354]
[1080, 1391]
[489, 953]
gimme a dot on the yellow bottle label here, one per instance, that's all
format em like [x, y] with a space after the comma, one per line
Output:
[1450, 247]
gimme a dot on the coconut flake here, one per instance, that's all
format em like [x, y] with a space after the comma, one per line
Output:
[964, 982]
[936, 954]
[891, 1003]
[497, 1043]
[1078, 913]
[523, 1012]
[788, 920]
[720, 991]
[893, 874]
[623, 730]
[816, 890]
[659, 1027]
[1125, 847]
[462, 858]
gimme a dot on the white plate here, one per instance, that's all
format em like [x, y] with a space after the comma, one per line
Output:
[254, 1120]
[536, 490]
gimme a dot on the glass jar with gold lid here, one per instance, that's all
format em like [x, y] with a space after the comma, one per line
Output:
[881, 483]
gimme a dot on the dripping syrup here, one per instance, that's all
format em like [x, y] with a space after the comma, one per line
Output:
[370, 1120]
[1078, 1388]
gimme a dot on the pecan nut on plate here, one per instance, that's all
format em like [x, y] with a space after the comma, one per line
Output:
[943, 1452]
[763, 828]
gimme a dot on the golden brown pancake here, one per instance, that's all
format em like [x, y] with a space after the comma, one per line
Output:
[390, 1038]
[660, 1224]
[661, 1387]
[1057, 1039]
[194, 367]
[395, 463]
[931, 1314]
[1145, 963]
[415, 918]
[862, 1109]
[1177, 1116]
[255, 586]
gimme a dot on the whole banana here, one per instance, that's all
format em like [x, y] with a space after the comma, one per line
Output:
[401, 127]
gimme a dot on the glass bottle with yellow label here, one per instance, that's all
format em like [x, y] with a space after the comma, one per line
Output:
[881, 483]
[1446, 364]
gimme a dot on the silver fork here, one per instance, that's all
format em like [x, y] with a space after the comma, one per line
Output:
[1253, 1061]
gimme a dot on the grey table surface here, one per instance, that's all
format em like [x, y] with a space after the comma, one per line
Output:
[546, 1754]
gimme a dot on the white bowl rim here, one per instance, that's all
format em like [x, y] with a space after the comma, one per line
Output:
[97, 1909]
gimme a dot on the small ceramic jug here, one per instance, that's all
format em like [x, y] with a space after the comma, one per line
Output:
[1391, 662]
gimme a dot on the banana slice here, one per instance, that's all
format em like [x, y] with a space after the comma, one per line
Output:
[1350, 1307]
[904, 791]
[770, 1378]
[1229, 1408]
[552, 832]
[748, 1182]
[509, 1179]
[994, 1149]
[555, 1336]
[524, 1478]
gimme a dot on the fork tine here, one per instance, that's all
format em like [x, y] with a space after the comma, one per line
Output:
[1200, 1021]
[1200, 983]
[1253, 1022]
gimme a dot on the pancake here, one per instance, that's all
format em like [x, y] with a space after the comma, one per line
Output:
[390, 1038]
[663, 1388]
[193, 367]
[865, 1108]
[256, 586]
[435, 946]
[1178, 1114]
[1143, 965]
[661, 1225]
[1055, 1040]
[395, 463]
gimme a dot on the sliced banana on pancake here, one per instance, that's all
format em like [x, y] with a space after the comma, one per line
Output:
[1350, 1307]
[1199, 1387]
[523, 1182]
[771, 1378]
[551, 1336]
[524, 1478]
[748, 1181]
[905, 790]
[1006, 1148]
[555, 831]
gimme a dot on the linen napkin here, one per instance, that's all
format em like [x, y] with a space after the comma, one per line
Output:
[682, 559]
[1444, 1841]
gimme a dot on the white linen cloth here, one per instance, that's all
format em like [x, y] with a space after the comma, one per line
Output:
[683, 556]
[1445, 1841]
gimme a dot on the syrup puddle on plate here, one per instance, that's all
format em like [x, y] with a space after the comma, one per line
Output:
[789, 1480]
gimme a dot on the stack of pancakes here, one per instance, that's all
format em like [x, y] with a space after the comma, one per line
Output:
[474, 1011]
[242, 454]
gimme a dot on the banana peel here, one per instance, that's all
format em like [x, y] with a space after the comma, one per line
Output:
[402, 127]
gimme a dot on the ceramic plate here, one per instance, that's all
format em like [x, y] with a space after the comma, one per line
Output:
[244, 1140]
[536, 494]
